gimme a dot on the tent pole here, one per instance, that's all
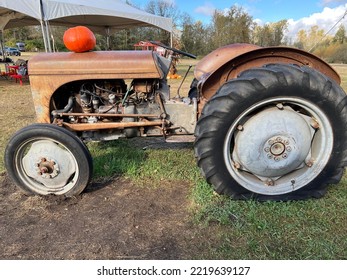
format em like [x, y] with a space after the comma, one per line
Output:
[48, 37]
[108, 38]
[44, 36]
[2, 45]
[42, 27]
[45, 33]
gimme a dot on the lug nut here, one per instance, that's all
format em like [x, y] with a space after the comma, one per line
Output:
[240, 127]
[269, 182]
[314, 123]
[279, 106]
[309, 163]
[237, 165]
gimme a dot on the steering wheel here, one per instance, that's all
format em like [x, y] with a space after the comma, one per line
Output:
[173, 49]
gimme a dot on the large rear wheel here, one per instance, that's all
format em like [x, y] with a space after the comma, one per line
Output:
[275, 133]
[46, 159]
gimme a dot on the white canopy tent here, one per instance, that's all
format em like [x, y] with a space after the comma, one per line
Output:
[100, 16]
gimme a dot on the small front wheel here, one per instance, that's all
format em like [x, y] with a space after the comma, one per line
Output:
[46, 159]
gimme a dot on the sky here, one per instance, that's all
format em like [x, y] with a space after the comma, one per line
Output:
[301, 14]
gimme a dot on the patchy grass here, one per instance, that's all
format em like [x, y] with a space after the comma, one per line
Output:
[16, 111]
[312, 229]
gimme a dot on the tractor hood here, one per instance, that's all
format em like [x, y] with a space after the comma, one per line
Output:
[115, 64]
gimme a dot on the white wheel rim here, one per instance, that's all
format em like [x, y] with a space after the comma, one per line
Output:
[46, 166]
[296, 168]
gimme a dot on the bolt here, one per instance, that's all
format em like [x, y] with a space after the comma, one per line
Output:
[314, 123]
[284, 155]
[269, 156]
[240, 127]
[277, 159]
[269, 182]
[267, 149]
[270, 142]
[279, 139]
[310, 162]
[289, 149]
[279, 106]
[237, 165]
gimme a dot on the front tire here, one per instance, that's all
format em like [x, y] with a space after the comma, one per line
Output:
[46, 159]
[275, 133]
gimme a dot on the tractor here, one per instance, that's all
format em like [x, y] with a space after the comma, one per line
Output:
[268, 123]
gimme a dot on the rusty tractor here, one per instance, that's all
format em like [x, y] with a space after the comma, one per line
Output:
[267, 123]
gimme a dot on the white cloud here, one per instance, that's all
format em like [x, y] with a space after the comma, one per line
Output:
[324, 20]
[207, 9]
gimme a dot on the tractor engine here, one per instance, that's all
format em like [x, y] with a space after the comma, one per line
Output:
[143, 101]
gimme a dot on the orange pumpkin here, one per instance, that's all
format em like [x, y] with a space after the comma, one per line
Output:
[79, 39]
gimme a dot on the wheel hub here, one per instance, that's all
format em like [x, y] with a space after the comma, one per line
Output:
[49, 164]
[273, 142]
[47, 168]
[278, 147]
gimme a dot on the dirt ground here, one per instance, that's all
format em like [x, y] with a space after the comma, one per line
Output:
[113, 220]
[110, 220]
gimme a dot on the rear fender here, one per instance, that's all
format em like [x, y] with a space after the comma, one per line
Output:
[227, 62]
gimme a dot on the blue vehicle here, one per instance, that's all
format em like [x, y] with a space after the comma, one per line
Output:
[12, 52]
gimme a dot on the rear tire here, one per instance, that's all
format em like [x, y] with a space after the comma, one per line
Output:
[275, 133]
[46, 159]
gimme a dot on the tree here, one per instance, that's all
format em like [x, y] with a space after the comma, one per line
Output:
[164, 9]
[270, 34]
[125, 39]
[312, 39]
[194, 36]
[229, 27]
[340, 35]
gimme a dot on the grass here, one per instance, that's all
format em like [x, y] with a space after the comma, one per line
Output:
[311, 229]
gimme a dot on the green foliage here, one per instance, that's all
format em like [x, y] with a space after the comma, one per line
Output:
[193, 38]
[230, 27]
[270, 34]
[340, 35]
[34, 45]
[339, 55]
